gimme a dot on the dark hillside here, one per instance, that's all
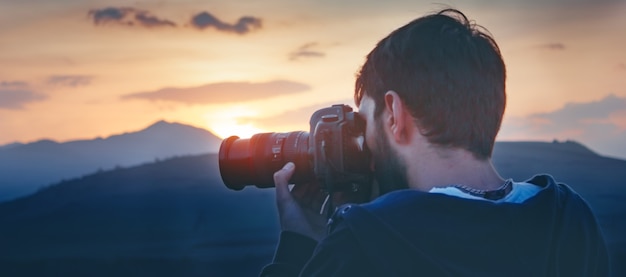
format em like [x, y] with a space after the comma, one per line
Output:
[176, 218]
[168, 217]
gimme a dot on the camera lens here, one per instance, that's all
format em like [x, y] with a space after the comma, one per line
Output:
[253, 161]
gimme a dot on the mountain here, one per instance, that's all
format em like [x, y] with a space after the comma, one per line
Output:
[176, 218]
[169, 218]
[26, 167]
[10, 145]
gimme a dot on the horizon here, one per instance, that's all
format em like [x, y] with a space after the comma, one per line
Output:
[175, 216]
[79, 70]
[608, 155]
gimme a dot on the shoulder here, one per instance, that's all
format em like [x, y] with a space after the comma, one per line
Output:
[572, 214]
[560, 194]
[577, 236]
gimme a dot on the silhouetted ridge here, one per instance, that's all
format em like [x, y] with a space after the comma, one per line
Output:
[161, 123]
[10, 145]
[25, 168]
[170, 126]
[40, 144]
[554, 151]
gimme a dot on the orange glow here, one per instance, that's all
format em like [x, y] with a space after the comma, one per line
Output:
[43, 41]
[227, 122]
[231, 128]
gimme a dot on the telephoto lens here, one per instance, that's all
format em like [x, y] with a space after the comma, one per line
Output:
[253, 161]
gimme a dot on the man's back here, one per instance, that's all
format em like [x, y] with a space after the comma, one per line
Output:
[406, 233]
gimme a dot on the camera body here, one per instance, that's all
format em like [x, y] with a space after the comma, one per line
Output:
[340, 155]
[333, 152]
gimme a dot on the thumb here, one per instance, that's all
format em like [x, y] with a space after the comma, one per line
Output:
[281, 181]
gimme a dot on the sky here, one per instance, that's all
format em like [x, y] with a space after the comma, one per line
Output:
[80, 69]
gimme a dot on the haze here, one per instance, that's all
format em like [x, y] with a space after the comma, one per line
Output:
[74, 69]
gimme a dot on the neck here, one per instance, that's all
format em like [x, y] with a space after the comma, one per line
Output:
[444, 167]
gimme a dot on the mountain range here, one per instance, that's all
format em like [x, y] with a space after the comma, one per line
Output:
[24, 168]
[175, 217]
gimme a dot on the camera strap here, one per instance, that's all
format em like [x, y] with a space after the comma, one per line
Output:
[327, 206]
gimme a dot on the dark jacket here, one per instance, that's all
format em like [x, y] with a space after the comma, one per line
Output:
[413, 233]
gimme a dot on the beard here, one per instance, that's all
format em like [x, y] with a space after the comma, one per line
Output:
[389, 169]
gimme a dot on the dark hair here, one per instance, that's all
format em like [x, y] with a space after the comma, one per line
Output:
[449, 73]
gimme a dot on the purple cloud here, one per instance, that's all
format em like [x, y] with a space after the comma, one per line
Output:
[13, 84]
[225, 92]
[305, 51]
[244, 25]
[295, 117]
[151, 21]
[14, 94]
[553, 46]
[598, 124]
[128, 16]
[69, 80]
[575, 114]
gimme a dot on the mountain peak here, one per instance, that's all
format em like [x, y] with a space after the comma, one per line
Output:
[163, 126]
[574, 146]
[44, 142]
[160, 124]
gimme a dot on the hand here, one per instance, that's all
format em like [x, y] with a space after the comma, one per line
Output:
[299, 210]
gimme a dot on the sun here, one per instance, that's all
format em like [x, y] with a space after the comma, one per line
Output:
[224, 130]
[235, 120]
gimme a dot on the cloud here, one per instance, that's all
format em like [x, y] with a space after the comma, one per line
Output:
[557, 46]
[305, 51]
[128, 16]
[69, 80]
[599, 124]
[110, 14]
[574, 114]
[13, 84]
[244, 25]
[295, 117]
[15, 98]
[148, 20]
[225, 92]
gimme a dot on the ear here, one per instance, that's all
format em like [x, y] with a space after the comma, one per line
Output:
[399, 118]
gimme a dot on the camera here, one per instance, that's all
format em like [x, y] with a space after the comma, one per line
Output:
[333, 153]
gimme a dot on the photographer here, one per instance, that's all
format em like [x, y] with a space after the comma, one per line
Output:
[432, 94]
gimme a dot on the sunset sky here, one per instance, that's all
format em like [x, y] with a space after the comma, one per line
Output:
[79, 69]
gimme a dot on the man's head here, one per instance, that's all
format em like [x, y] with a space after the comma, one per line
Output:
[447, 75]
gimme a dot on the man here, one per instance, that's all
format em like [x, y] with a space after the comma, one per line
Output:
[433, 96]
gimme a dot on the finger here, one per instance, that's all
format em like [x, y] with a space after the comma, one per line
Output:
[304, 191]
[281, 181]
[309, 195]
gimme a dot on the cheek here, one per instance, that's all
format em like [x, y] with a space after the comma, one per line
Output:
[370, 136]
[370, 141]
